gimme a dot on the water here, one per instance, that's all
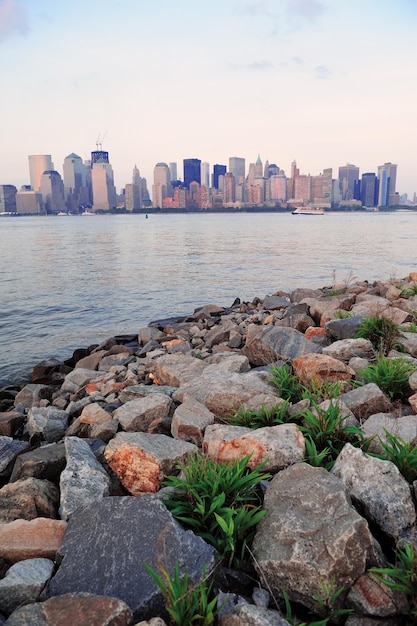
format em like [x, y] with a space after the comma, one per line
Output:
[67, 282]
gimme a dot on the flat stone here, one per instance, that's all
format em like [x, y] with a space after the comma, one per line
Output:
[9, 450]
[137, 415]
[78, 378]
[23, 583]
[366, 400]
[37, 538]
[46, 462]
[274, 343]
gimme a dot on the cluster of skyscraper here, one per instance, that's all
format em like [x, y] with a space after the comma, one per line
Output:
[90, 185]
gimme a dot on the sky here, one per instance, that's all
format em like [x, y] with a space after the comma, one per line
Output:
[322, 82]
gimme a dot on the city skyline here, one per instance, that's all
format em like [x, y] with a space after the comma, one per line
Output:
[324, 83]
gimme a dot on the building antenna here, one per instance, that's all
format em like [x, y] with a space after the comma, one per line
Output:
[99, 143]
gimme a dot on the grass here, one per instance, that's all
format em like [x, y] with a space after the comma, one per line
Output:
[219, 502]
[391, 376]
[265, 416]
[402, 453]
[409, 292]
[288, 385]
[381, 331]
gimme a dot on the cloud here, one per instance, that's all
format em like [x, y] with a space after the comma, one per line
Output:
[322, 72]
[305, 9]
[256, 66]
[13, 19]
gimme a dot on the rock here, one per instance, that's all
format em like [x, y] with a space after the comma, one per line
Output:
[23, 583]
[369, 597]
[190, 420]
[137, 415]
[104, 431]
[346, 349]
[31, 395]
[91, 361]
[250, 615]
[78, 378]
[218, 334]
[49, 372]
[83, 480]
[366, 400]
[141, 460]
[279, 446]
[133, 531]
[27, 499]
[70, 609]
[10, 423]
[345, 328]
[378, 490]
[376, 426]
[37, 538]
[409, 342]
[273, 343]
[176, 369]
[310, 536]
[9, 449]
[318, 369]
[46, 462]
[47, 423]
[272, 303]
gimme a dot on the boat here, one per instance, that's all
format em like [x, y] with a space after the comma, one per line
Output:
[8, 213]
[308, 210]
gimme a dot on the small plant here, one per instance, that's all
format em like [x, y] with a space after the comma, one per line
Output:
[401, 575]
[186, 604]
[218, 502]
[265, 416]
[326, 600]
[391, 376]
[316, 392]
[409, 292]
[402, 453]
[342, 315]
[382, 332]
[326, 432]
[288, 385]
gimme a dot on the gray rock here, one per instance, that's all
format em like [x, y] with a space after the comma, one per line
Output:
[31, 395]
[190, 420]
[47, 423]
[345, 328]
[310, 536]
[84, 480]
[272, 303]
[366, 400]
[219, 334]
[378, 489]
[141, 391]
[27, 499]
[23, 583]
[376, 426]
[78, 378]
[45, 462]
[106, 545]
[409, 343]
[251, 615]
[137, 415]
[9, 449]
[346, 349]
[273, 343]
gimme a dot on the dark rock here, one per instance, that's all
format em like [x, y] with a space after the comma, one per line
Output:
[46, 462]
[343, 328]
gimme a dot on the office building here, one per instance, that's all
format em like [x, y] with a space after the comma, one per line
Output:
[8, 199]
[348, 181]
[237, 168]
[192, 172]
[133, 192]
[387, 177]
[75, 184]
[259, 170]
[38, 164]
[218, 170]
[29, 202]
[229, 195]
[161, 187]
[369, 189]
[173, 171]
[205, 174]
[278, 187]
[102, 182]
[52, 190]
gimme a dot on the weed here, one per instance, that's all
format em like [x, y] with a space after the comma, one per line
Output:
[265, 416]
[218, 502]
[326, 432]
[342, 315]
[186, 604]
[327, 600]
[382, 332]
[409, 292]
[401, 575]
[288, 385]
[391, 376]
[402, 453]
[316, 392]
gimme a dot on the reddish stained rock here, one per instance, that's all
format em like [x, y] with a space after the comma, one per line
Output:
[94, 414]
[22, 539]
[137, 470]
[314, 331]
[320, 368]
[371, 597]
[70, 609]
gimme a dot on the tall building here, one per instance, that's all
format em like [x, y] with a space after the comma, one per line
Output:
[303, 188]
[75, 184]
[52, 190]
[29, 202]
[133, 192]
[173, 171]
[8, 199]
[205, 174]
[192, 172]
[237, 168]
[259, 170]
[218, 170]
[295, 172]
[348, 179]
[369, 189]
[278, 187]
[102, 182]
[161, 187]
[38, 164]
[229, 188]
[387, 178]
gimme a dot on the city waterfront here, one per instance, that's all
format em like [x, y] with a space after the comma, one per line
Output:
[69, 282]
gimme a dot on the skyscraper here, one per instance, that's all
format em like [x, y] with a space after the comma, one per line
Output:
[259, 170]
[387, 177]
[348, 178]
[173, 171]
[161, 187]
[102, 182]
[52, 190]
[38, 164]
[237, 168]
[205, 174]
[369, 189]
[192, 172]
[8, 199]
[218, 170]
[75, 186]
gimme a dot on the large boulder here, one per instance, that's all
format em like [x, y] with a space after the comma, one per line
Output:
[23, 583]
[311, 535]
[28, 498]
[319, 369]
[107, 544]
[274, 342]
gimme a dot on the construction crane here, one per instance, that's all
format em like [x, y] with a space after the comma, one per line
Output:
[99, 143]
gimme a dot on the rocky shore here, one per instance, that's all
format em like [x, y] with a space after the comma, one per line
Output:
[86, 445]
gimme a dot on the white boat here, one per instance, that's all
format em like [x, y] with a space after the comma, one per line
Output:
[308, 210]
